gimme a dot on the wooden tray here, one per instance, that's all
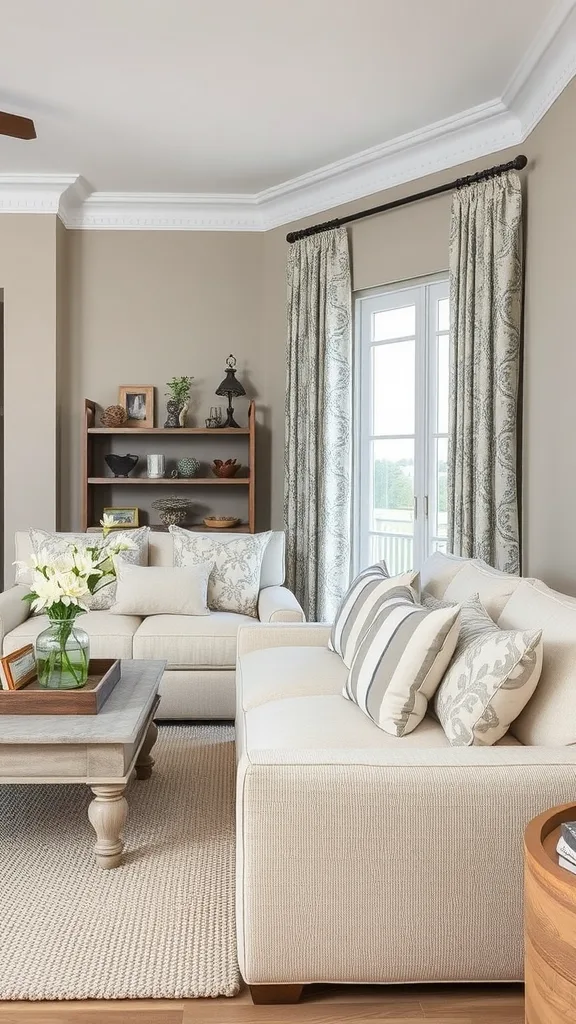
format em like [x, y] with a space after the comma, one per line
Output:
[33, 699]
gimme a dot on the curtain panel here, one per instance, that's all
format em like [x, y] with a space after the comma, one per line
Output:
[318, 453]
[486, 279]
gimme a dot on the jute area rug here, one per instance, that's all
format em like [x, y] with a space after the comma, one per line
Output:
[159, 926]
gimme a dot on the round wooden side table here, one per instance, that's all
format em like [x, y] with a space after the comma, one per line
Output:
[549, 923]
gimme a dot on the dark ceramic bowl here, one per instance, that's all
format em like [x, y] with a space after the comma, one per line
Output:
[121, 465]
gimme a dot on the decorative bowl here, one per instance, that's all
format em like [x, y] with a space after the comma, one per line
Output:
[121, 465]
[220, 522]
[225, 469]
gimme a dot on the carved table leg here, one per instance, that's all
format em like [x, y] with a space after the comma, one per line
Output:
[107, 814]
[145, 763]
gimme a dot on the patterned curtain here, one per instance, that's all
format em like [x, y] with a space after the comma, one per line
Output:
[486, 314]
[317, 502]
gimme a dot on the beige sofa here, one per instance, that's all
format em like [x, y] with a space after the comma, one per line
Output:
[366, 858]
[200, 651]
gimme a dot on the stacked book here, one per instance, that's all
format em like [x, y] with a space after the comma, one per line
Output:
[566, 846]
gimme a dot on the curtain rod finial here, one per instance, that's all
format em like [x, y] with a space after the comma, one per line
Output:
[520, 162]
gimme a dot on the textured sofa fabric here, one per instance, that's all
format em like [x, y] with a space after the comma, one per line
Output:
[200, 651]
[405, 854]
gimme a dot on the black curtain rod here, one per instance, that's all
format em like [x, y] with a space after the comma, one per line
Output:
[517, 164]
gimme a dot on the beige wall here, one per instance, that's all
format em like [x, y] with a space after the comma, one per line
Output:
[28, 279]
[138, 307]
[146, 306]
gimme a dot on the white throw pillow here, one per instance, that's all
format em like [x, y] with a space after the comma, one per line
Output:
[491, 678]
[234, 582]
[400, 661]
[161, 590]
[361, 603]
[54, 544]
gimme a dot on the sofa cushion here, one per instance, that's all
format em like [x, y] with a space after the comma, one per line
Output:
[490, 679]
[110, 635]
[160, 589]
[494, 588]
[188, 641]
[277, 672]
[550, 717]
[438, 570]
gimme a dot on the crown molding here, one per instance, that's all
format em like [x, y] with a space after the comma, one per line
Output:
[546, 69]
[166, 211]
[33, 193]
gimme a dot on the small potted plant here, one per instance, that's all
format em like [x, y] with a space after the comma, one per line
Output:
[178, 395]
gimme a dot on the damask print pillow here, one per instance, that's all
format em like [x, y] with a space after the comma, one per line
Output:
[490, 679]
[234, 582]
[55, 544]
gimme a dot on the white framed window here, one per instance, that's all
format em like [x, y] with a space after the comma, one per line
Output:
[401, 419]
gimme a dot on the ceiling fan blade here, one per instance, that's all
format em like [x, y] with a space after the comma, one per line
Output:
[16, 127]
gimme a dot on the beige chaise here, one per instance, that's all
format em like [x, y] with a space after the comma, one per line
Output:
[366, 858]
[200, 651]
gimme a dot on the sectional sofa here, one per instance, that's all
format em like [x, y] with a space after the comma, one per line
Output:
[362, 857]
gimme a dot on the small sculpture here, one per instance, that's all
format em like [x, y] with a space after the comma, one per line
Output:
[121, 465]
[177, 406]
[173, 409]
[113, 416]
[188, 467]
[173, 510]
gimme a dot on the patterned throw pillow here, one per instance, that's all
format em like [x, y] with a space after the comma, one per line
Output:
[234, 582]
[54, 544]
[401, 660]
[360, 605]
[491, 678]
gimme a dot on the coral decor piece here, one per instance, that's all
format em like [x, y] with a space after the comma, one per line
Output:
[225, 469]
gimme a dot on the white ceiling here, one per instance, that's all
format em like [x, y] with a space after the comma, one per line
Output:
[236, 97]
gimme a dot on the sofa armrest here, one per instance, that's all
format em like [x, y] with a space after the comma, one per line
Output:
[282, 634]
[13, 610]
[278, 604]
[379, 838]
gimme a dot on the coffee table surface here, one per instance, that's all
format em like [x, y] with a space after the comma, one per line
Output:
[120, 720]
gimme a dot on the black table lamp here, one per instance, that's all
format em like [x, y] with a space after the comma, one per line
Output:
[230, 387]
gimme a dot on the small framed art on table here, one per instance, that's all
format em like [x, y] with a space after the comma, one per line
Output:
[138, 401]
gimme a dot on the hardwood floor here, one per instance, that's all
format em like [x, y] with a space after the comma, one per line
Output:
[320, 1004]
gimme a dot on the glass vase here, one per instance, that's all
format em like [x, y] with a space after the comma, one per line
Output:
[62, 655]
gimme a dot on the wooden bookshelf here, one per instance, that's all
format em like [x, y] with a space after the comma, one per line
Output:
[98, 442]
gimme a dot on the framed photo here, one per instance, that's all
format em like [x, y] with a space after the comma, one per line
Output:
[138, 401]
[123, 518]
[18, 669]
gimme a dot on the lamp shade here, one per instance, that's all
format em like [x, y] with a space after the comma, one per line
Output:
[230, 386]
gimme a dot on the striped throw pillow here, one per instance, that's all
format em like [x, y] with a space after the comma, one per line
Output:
[360, 605]
[400, 662]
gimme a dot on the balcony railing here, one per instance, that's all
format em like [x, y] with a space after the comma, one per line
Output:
[396, 549]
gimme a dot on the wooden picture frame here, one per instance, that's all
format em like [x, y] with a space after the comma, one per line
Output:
[138, 401]
[19, 668]
[127, 517]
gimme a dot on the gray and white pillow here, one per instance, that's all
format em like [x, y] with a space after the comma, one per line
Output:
[54, 544]
[400, 661]
[490, 679]
[234, 583]
[361, 603]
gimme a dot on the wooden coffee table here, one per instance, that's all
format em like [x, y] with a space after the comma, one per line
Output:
[550, 923]
[103, 751]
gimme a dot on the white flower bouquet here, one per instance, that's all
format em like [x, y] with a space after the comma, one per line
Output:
[59, 586]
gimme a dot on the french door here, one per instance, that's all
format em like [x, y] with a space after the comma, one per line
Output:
[402, 424]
